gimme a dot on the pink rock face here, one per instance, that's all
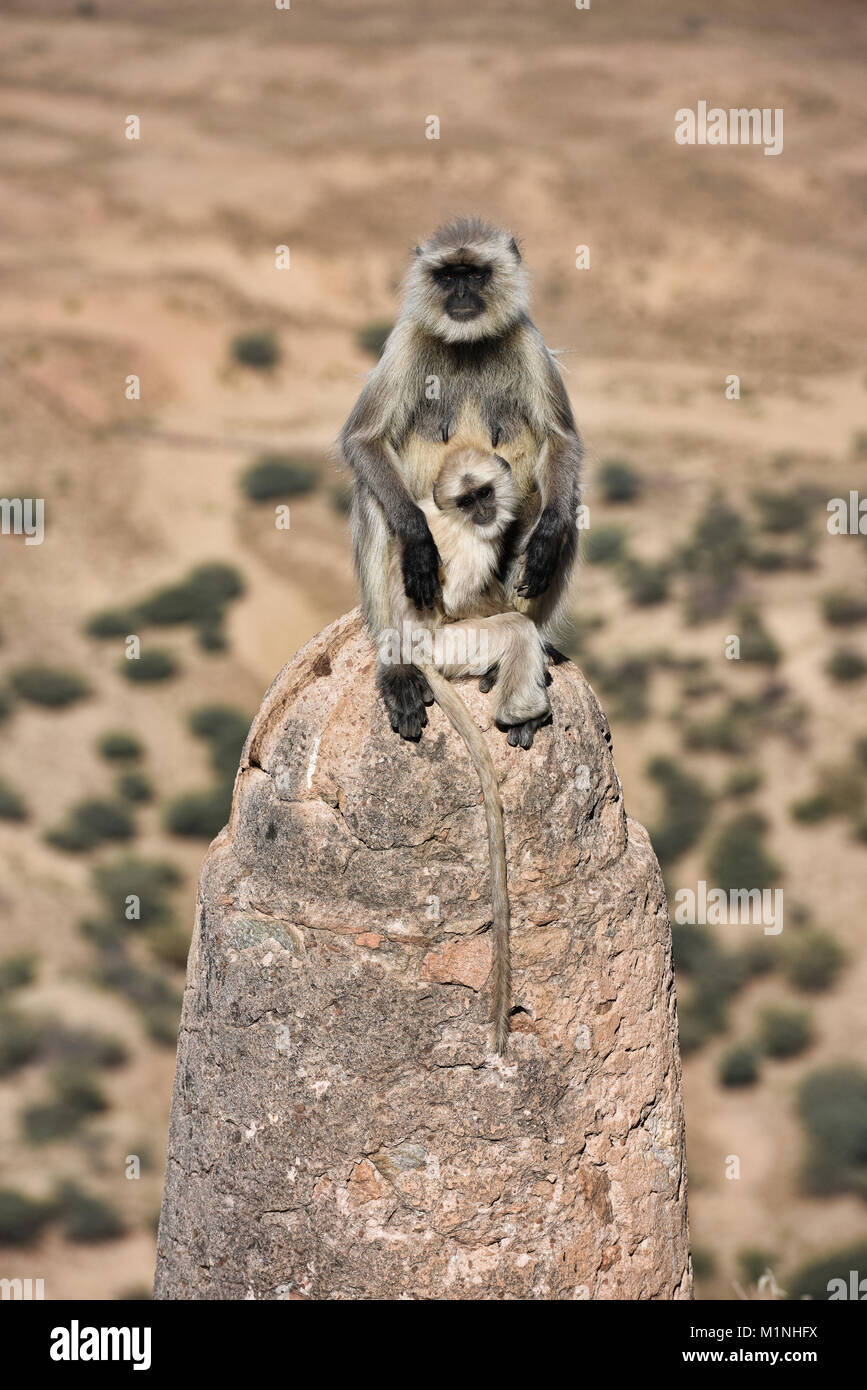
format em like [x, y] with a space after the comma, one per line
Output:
[340, 1127]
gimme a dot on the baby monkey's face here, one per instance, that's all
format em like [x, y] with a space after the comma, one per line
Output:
[479, 488]
[478, 502]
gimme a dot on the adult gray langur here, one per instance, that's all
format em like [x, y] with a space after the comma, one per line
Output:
[463, 366]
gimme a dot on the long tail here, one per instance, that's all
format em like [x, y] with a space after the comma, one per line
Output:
[460, 719]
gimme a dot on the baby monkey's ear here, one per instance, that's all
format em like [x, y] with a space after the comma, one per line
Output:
[437, 502]
[504, 462]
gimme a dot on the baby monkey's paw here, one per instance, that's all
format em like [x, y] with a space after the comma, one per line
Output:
[489, 679]
[522, 735]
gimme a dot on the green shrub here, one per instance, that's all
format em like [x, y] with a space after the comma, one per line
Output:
[104, 820]
[703, 1262]
[170, 944]
[260, 350]
[158, 1002]
[737, 857]
[781, 512]
[785, 1032]
[225, 730]
[719, 733]
[149, 880]
[48, 686]
[155, 664]
[373, 337]
[199, 815]
[71, 838]
[620, 482]
[718, 547]
[135, 787]
[860, 748]
[215, 583]
[845, 664]
[813, 961]
[21, 1218]
[842, 609]
[758, 958]
[812, 1280]
[200, 598]
[604, 545]
[340, 497]
[17, 971]
[743, 780]
[645, 584]
[80, 1047]
[174, 604]
[832, 1104]
[753, 1263]
[6, 703]
[120, 746]
[842, 786]
[715, 976]
[86, 1218]
[161, 1023]
[12, 805]
[812, 808]
[739, 1066]
[112, 622]
[211, 634]
[756, 644]
[278, 475]
[19, 1041]
[76, 1097]
[90, 823]
[626, 681]
[687, 807]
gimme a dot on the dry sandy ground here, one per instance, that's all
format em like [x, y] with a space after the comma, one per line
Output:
[306, 128]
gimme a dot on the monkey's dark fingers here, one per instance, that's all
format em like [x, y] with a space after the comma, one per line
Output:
[522, 735]
[551, 540]
[420, 565]
[489, 679]
[405, 692]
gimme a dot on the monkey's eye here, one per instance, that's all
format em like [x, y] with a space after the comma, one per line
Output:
[465, 502]
[446, 278]
[477, 277]
[484, 493]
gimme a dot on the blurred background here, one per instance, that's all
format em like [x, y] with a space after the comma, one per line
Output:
[169, 377]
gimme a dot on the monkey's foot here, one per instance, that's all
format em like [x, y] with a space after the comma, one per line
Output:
[405, 692]
[522, 735]
[489, 679]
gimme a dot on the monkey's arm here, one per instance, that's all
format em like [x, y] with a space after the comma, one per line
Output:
[366, 452]
[550, 551]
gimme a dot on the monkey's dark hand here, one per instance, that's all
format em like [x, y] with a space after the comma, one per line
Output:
[405, 692]
[421, 564]
[552, 539]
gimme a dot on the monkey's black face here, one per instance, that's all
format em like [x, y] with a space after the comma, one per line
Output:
[478, 504]
[461, 287]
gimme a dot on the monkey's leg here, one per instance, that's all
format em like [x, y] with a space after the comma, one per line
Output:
[509, 643]
[521, 702]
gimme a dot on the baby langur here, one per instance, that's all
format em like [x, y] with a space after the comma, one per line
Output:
[473, 630]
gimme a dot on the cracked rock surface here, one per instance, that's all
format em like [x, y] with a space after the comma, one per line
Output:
[340, 1126]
